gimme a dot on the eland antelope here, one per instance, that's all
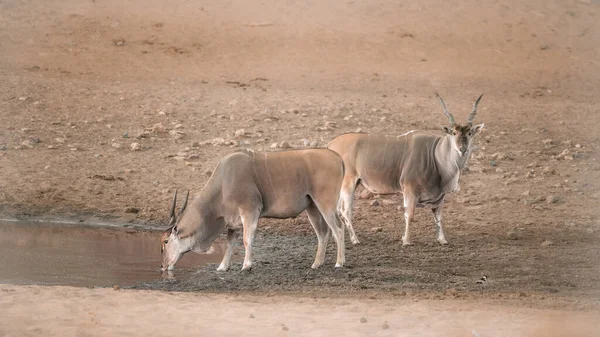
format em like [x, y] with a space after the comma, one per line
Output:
[423, 168]
[248, 185]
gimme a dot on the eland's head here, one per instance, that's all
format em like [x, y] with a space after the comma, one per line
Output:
[172, 247]
[462, 135]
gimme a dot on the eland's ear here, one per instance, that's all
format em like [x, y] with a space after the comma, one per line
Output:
[477, 129]
[448, 130]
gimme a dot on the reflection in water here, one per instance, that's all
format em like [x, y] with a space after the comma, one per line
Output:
[55, 254]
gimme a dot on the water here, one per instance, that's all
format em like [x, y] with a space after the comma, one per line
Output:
[56, 254]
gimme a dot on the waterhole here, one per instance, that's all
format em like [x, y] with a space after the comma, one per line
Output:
[57, 254]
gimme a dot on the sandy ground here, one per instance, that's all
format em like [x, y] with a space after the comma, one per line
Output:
[107, 106]
[65, 311]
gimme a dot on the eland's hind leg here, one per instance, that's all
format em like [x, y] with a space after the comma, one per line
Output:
[249, 222]
[346, 203]
[329, 213]
[322, 230]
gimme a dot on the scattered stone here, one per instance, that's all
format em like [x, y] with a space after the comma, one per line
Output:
[547, 142]
[158, 128]
[284, 328]
[376, 229]
[135, 146]
[537, 200]
[359, 130]
[193, 157]
[493, 163]
[551, 199]
[3, 147]
[547, 243]
[251, 316]
[510, 181]
[512, 235]
[25, 130]
[207, 172]
[578, 146]
[565, 152]
[260, 141]
[499, 156]
[162, 113]
[51, 147]
[499, 170]
[273, 146]
[116, 287]
[178, 126]
[126, 135]
[27, 144]
[375, 203]
[314, 143]
[530, 174]
[176, 134]
[363, 320]
[568, 157]
[385, 325]
[241, 133]
[284, 145]
[217, 141]
[119, 42]
[116, 145]
[23, 98]
[548, 170]
[526, 193]
[544, 47]
[132, 210]
[365, 194]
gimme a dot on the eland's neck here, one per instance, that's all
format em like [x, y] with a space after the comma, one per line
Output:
[449, 162]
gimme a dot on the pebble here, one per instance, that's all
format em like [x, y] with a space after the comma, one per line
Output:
[376, 229]
[493, 163]
[375, 203]
[251, 316]
[176, 134]
[499, 170]
[512, 235]
[207, 172]
[314, 143]
[193, 157]
[526, 193]
[565, 152]
[158, 128]
[547, 141]
[385, 325]
[578, 146]
[547, 243]
[116, 145]
[363, 320]
[3, 147]
[365, 194]
[284, 145]
[135, 146]
[132, 210]
[241, 133]
[27, 144]
[551, 199]
[273, 146]
[50, 147]
[548, 170]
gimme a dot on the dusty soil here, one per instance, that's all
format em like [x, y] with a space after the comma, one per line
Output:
[65, 311]
[106, 107]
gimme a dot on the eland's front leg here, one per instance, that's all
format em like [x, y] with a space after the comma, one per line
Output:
[322, 230]
[437, 217]
[226, 262]
[250, 222]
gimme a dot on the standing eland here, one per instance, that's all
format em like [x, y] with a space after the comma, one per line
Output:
[423, 168]
[248, 185]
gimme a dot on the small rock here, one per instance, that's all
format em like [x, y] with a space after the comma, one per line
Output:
[284, 328]
[207, 172]
[305, 142]
[551, 199]
[376, 229]
[537, 200]
[132, 210]
[135, 146]
[385, 325]
[116, 145]
[363, 320]
[578, 146]
[314, 143]
[162, 113]
[547, 243]
[544, 47]
[548, 170]
[158, 128]
[193, 157]
[176, 134]
[565, 152]
[251, 316]
[119, 42]
[499, 170]
[51, 147]
[512, 235]
[217, 141]
[178, 126]
[284, 145]
[375, 202]
[568, 158]
[23, 98]
[547, 142]
[116, 287]
[260, 141]
[493, 163]
[28, 144]
[273, 146]
[3, 147]
[126, 135]
[525, 194]
[241, 133]
[359, 130]
[365, 194]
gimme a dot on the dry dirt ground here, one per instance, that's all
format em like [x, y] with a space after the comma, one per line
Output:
[107, 106]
